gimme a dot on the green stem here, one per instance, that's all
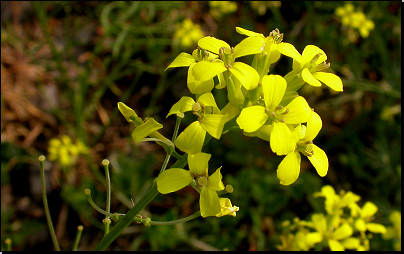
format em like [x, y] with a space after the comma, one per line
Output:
[77, 239]
[45, 204]
[128, 219]
[87, 192]
[167, 223]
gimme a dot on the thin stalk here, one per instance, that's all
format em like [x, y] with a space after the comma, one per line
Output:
[87, 192]
[128, 219]
[77, 239]
[45, 203]
[105, 162]
[167, 223]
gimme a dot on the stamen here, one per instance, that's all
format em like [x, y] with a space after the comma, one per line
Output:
[278, 107]
[286, 111]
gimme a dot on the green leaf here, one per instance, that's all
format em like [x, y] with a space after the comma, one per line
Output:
[249, 46]
[173, 179]
[142, 131]
[191, 139]
[246, 75]
[182, 60]
[289, 168]
[212, 44]
[205, 70]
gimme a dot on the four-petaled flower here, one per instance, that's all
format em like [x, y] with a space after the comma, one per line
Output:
[174, 179]
[289, 168]
[209, 120]
[274, 122]
[245, 74]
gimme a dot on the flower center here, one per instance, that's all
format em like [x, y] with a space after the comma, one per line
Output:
[202, 181]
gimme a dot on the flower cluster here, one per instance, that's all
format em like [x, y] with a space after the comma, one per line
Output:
[65, 151]
[356, 20]
[263, 105]
[394, 232]
[220, 8]
[187, 33]
[344, 225]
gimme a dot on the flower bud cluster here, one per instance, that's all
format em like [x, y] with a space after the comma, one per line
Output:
[344, 226]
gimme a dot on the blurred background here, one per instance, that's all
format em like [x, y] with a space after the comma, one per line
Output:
[65, 65]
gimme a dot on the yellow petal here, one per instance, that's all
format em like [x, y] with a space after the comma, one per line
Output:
[320, 223]
[335, 245]
[207, 99]
[313, 127]
[249, 46]
[198, 87]
[311, 51]
[368, 210]
[142, 131]
[209, 202]
[248, 32]
[289, 50]
[212, 44]
[213, 124]
[319, 161]
[342, 232]
[252, 118]
[205, 70]
[351, 243]
[289, 169]
[330, 79]
[376, 228]
[299, 111]
[274, 87]
[313, 238]
[309, 78]
[182, 60]
[173, 179]
[198, 163]
[191, 139]
[360, 225]
[183, 105]
[245, 74]
[282, 140]
[215, 181]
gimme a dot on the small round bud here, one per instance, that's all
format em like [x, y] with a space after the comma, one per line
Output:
[41, 158]
[7, 241]
[80, 228]
[196, 107]
[106, 221]
[202, 181]
[87, 191]
[105, 162]
[229, 188]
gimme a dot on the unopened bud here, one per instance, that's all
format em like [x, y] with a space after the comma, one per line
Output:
[229, 188]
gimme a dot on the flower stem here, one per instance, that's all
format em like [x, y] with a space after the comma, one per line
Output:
[45, 203]
[128, 219]
[77, 239]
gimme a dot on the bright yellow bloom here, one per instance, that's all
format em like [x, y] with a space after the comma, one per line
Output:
[273, 122]
[187, 33]
[64, 151]
[219, 8]
[227, 208]
[394, 232]
[174, 179]
[209, 120]
[354, 19]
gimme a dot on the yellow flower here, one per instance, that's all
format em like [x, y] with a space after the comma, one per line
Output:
[219, 8]
[227, 208]
[395, 230]
[187, 33]
[64, 151]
